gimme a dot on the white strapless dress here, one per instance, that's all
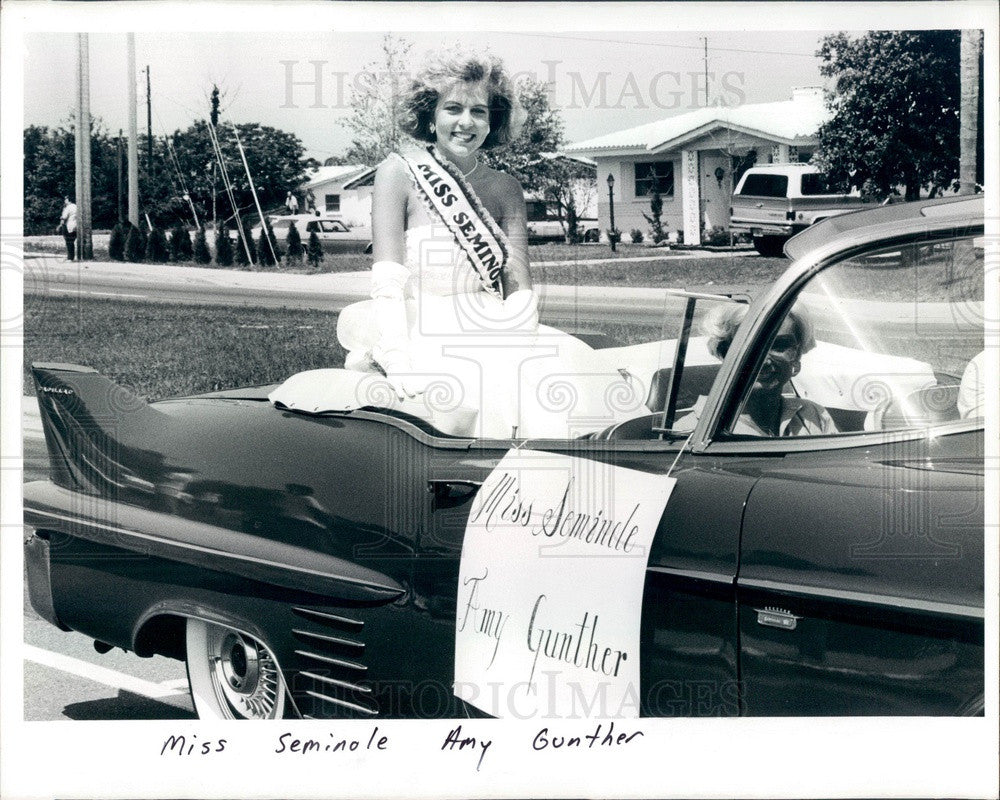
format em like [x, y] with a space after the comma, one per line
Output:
[484, 361]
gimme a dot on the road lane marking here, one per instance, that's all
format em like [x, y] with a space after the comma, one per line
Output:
[109, 677]
[117, 294]
[72, 290]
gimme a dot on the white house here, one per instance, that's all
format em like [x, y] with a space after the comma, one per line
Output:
[694, 160]
[328, 185]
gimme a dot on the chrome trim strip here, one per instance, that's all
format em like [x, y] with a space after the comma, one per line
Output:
[694, 574]
[970, 613]
[223, 554]
[331, 639]
[346, 704]
[336, 662]
[325, 615]
[354, 687]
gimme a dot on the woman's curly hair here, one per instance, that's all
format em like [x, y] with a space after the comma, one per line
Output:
[722, 321]
[440, 74]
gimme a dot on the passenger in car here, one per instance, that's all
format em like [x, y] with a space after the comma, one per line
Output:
[767, 411]
[972, 390]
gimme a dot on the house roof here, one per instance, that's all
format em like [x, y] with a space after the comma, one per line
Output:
[784, 121]
[322, 175]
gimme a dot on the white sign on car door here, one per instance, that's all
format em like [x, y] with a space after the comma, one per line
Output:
[550, 587]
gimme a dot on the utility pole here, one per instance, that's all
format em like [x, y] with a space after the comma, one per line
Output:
[84, 240]
[968, 111]
[121, 178]
[149, 128]
[704, 40]
[133, 135]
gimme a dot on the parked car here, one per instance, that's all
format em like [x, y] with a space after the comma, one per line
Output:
[305, 562]
[334, 234]
[772, 202]
[547, 224]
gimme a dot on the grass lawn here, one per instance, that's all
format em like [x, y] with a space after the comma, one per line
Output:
[159, 350]
[679, 273]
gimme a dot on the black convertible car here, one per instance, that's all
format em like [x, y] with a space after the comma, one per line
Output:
[305, 561]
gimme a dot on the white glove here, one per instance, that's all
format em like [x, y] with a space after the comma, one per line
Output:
[521, 310]
[392, 348]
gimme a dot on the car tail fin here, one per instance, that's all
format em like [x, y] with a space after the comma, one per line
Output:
[87, 419]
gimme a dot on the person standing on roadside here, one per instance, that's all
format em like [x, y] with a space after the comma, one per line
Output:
[67, 227]
[292, 203]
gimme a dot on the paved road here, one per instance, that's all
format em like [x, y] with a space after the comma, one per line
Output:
[54, 276]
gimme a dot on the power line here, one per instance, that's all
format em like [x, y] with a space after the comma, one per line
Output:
[664, 44]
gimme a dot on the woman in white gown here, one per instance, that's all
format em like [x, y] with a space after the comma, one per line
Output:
[453, 320]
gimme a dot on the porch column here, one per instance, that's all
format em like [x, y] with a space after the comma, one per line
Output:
[691, 197]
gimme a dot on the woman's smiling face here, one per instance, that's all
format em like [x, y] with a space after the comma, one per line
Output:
[462, 120]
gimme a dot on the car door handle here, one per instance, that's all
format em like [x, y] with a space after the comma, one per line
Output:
[437, 484]
[450, 492]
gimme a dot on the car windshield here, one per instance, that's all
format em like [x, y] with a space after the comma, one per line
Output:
[889, 339]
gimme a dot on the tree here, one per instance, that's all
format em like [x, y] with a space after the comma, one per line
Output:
[223, 247]
[528, 156]
[895, 107]
[246, 250]
[50, 175]
[376, 104]
[294, 241]
[135, 244]
[268, 251]
[655, 218]
[116, 244]
[276, 160]
[202, 255]
[180, 244]
[314, 253]
[157, 249]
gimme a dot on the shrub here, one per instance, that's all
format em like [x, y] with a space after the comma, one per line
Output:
[135, 244]
[268, 251]
[715, 237]
[180, 244]
[244, 243]
[294, 242]
[636, 235]
[314, 253]
[116, 244]
[573, 235]
[614, 235]
[223, 247]
[201, 254]
[655, 218]
[157, 250]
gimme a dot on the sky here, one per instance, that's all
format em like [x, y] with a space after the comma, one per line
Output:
[601, 82]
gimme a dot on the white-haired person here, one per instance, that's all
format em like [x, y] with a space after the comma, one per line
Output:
[453, 315]
[767, 411]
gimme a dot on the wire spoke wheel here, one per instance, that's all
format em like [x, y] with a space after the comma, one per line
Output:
[232, 675]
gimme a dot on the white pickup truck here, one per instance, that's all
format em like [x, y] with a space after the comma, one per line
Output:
[773, 202]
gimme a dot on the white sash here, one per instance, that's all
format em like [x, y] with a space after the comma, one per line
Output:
[453, 200]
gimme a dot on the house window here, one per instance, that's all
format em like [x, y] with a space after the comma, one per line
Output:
[654, 176]
[332, 203]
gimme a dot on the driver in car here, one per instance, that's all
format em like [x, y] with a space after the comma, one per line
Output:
[768, 411]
